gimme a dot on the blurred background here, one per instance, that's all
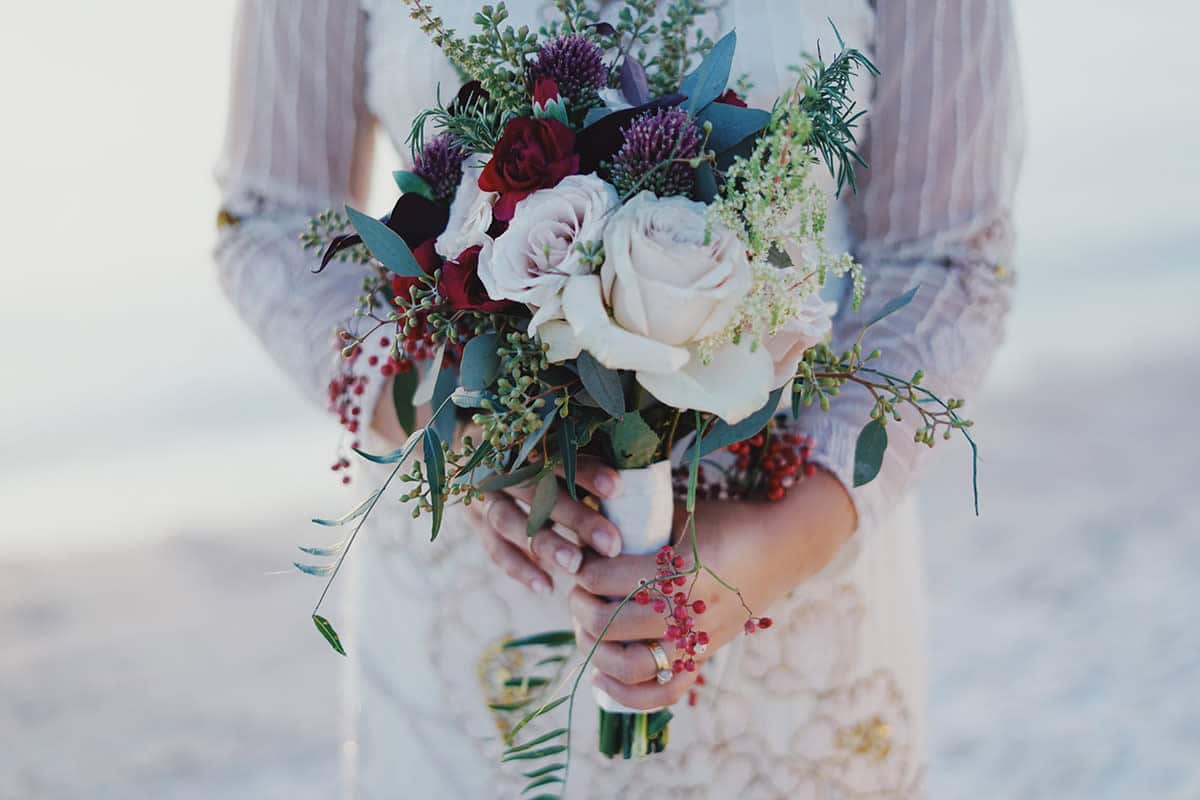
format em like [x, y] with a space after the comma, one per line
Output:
[157, 469]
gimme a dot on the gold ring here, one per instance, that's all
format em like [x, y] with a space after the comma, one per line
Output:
[661, 662]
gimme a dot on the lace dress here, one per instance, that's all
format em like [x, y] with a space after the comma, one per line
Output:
[828, 704]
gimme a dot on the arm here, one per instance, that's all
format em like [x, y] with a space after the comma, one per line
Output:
[934, 211]
[298, 141]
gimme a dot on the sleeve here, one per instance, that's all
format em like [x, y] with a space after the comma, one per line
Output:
[933, 211]
[298, 141]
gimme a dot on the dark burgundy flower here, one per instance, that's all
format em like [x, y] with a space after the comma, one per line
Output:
[545, 91]
[532, 154]
[731, 98]
[429, 261]
[461, 287]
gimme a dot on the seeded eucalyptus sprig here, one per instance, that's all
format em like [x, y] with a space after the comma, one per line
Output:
[680, 42]
[327, 226]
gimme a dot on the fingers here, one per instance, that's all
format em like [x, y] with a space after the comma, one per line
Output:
[590, 526]
[648, 694]
[633, 623]
[515, 563]
[614, 577]
[507, 519]
[596, 478]
[629, 663]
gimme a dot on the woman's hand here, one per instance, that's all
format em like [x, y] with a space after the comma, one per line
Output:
[502, 524]
[763, 549]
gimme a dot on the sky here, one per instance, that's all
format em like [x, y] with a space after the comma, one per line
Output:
[137, 404]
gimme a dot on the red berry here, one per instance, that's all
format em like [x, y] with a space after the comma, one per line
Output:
[677, 562]
[677, 665]
[699, 607]
[810, 470]
[749, 626]
[689, 665]
[642, 598]
[680, 613]
[345, 479]
[700, 681]
[680, 599]
[776, 494]
[765, 622]
[673, 632]
[702, 637]
[660, 606]
[681, 580]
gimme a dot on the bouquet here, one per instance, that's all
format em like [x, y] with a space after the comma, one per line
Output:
[601, 250]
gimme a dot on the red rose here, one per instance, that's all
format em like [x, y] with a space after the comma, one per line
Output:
[461, 287]
[731, 98]
[532, 154]
[428, 259]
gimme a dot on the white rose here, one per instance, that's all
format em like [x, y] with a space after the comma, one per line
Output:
[470, 215]
[672, 277]
[670, 273]
[531, 262]
[806, 329]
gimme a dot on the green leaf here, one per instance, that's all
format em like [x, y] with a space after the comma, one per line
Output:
[503, 480]
[350, 516]
[546, 770]
[544, 498]
[532, 715]
[532, 681]
[546, 781]
[705, 189]
[634, 442]
[547, 639]
[313, 569]
[545, 737]
[568, 451]
[412, 183]
[385, 244]
[404, 385]
[324, 552]
[894, 305]
[528, 755]
[732, 124]
[516, 705]
[602, 383]
[482, 451]
[723, 434]
[444, 420]
[480, 362]
[435, 476]
[544, 797]
[531, 440]
[709, 79]
[868, 452]
[329, 633]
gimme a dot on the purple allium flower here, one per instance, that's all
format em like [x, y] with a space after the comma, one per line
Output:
[440, 163]
[650, 140]
[576, 64]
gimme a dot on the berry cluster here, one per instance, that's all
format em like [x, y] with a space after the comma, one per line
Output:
[679, 611]
[764, 466]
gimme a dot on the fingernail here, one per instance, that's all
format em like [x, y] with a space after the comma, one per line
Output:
[540, 586]
[606, 543]
[606, 483]
[569, 559]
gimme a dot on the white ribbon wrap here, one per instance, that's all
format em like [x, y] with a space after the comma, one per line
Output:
[643, 510]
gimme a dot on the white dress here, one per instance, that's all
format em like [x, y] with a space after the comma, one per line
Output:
[830, 702]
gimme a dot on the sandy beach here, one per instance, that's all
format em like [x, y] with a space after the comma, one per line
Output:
[1065, 654]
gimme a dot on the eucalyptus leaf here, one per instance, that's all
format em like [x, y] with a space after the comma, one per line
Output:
[568, 452]
[732, 124]
[320, 571]
[868, 452]
[705, 189]
[544, 781]
[893, 305]
[412, 183]
[634, 442]
[532, 715]
[480, 362]
[709, 80]
[444, 420]
[324, 552]
[544, 498]
[329, 633]
[723, 434]
[503, 480]
[594, 115]
[547, 639]
[354, 514]
[602, 383]
[531, 440]
[435, 476]
[634, 84]
[385, 244]
[404, 386]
